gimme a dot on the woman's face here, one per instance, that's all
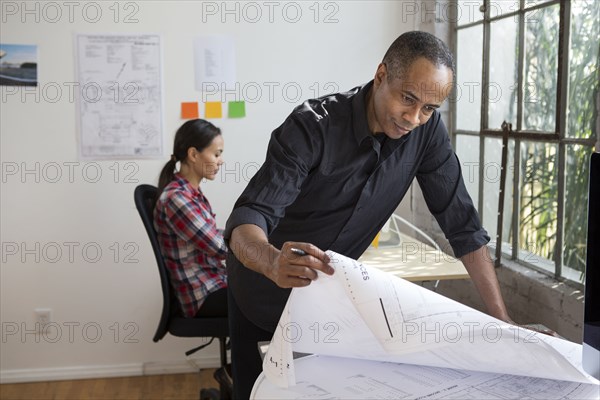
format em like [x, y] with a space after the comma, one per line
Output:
[207, 162]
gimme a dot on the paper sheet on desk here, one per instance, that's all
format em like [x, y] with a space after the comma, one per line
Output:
[364, 313]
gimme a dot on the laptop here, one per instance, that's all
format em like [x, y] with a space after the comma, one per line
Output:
[591, 319]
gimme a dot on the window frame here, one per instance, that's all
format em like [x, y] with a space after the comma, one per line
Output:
[519, 134]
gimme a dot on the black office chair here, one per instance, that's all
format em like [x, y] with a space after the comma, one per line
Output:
[170, 320]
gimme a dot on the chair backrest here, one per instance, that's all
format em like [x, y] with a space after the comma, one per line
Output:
[145, 197]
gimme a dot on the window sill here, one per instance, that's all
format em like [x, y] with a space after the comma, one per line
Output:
[543, 268]
[565, 288]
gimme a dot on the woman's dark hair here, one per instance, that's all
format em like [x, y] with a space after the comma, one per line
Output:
[410, 46]
[196, 133]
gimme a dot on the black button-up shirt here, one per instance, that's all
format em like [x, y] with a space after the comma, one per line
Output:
[329, 181]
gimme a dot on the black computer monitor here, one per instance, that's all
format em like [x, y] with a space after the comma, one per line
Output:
[591, 319]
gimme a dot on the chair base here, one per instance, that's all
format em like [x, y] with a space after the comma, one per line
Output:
[225, 391]
[210, 394]
[225, 383]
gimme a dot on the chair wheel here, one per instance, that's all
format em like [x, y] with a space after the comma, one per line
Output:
[210, 394]
[225, 383]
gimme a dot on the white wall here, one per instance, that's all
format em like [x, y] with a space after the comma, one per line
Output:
[74, 213]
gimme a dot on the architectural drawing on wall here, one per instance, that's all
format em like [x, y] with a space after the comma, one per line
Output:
[119, 88]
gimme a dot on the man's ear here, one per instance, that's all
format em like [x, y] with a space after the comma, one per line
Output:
[380, 74]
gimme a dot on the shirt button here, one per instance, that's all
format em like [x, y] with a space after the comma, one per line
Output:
[358, 209]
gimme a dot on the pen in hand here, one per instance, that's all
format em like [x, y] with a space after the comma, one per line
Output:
[298, 252]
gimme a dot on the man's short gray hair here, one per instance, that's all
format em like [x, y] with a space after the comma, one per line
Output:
[410, 46]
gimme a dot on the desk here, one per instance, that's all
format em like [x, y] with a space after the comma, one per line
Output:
[415, 261]
[410, 258]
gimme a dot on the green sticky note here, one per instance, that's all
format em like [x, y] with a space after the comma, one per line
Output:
[237, 109]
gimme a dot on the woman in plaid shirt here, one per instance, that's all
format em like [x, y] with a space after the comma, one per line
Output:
[192, 246]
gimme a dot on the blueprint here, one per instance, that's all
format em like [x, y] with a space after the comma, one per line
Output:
[119, 96]
[326, 377]
[378, 321]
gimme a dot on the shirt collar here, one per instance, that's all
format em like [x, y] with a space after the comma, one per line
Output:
[359, 114]
[186, 184]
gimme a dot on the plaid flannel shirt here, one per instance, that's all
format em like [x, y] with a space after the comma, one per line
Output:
[192, 246]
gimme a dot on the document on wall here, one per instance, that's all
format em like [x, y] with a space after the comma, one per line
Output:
[119, 95]
[362, 313]
[214, 57]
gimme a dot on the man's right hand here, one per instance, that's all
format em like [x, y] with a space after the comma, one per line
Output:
[290, 269]
[287, 269]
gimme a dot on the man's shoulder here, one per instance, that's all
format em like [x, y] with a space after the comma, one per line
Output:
[326, 106]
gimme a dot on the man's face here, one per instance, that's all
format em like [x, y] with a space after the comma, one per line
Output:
[399, 105]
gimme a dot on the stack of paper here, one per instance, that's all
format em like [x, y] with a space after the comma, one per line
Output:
[389, 338]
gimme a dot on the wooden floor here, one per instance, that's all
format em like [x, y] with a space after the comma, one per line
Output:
[172, 387]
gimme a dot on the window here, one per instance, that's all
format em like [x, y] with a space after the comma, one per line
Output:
[535, 65]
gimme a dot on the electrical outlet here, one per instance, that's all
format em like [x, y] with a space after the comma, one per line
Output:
[43, 317]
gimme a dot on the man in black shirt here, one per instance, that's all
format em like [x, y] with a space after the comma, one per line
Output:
[335, 171]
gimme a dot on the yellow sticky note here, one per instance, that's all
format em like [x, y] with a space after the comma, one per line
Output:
[375, 242]
[213, 109]
[189, 110]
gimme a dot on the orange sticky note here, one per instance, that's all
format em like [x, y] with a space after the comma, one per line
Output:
[375, 242]
[189, 110]
[212, 109]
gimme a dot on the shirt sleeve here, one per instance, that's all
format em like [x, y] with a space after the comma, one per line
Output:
[441, 181]
[185, 219]
[293, 150]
